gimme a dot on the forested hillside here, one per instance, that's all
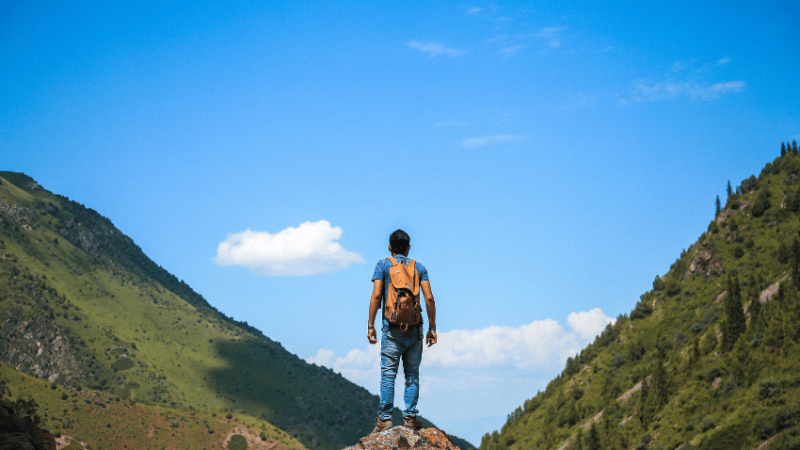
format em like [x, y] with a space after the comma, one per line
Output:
[87, 312]
[708, 359]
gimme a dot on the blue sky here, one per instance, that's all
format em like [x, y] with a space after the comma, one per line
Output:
[548, 159]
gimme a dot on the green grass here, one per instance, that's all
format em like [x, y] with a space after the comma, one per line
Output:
[103, 420]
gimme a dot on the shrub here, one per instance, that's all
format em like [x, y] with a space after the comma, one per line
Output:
[707, 423]
[237, 442]
[769, 388]
[122, 364]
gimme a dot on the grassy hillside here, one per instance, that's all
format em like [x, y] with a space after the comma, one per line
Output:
[82, 306]
[102, 420]
[708, 359]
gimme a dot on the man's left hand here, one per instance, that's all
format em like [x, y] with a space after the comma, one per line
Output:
[430, 338]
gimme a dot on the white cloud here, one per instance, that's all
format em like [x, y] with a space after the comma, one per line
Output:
[589, 324]
[359, 366]
[551, 35]
[695, 91]
[435, 49]
[305, 250]
[538, 345]
[483, 141]
[478, 375]
[474, 11]
[724, 61]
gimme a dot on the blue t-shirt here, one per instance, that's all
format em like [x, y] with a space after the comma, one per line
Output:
[382, 273]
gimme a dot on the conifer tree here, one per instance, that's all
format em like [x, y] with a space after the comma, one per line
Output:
[719, 208]
[578, 440]
[729, 190]
[593, 439]
[783, 149]
[795, 262]
[794, 147]
[735, 323]
[647, 406]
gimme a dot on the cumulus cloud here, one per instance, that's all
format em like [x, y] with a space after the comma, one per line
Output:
[308, 249]
[483, 141]
[435, 49]
[589, 324]
[537, 344]
[541, 344]
[359, 366]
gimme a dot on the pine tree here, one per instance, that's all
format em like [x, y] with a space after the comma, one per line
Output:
[756, 309]
[783, 149]
[593, 439]
[660, 385]
[729, 190]
[735, 322]
[795, 262]
[647, 406]
[719, 208]
[794, 147]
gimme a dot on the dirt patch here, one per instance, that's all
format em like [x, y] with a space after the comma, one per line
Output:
[253, 438]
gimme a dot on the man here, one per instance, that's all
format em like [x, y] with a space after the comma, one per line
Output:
[396, 342]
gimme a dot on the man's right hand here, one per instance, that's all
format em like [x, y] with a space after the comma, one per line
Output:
[372, 336]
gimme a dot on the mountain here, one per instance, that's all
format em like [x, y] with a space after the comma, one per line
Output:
[708, 359]
[84, 309]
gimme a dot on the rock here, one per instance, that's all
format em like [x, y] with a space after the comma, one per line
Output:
[405, 438]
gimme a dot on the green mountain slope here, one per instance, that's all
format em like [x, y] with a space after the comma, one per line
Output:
[101, 420]
[83, 306]
[708, 359]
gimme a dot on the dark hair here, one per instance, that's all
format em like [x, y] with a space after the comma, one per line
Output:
[399, 241]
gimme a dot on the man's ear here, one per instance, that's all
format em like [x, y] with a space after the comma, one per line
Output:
[390, 248]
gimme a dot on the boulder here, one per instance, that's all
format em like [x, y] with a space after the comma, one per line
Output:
[405, 438]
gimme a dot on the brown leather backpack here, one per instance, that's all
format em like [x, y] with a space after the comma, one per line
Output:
[402, 300]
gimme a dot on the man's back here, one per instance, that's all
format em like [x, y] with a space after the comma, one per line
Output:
[398, 343]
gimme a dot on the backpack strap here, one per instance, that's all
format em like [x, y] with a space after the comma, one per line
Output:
[393, 261]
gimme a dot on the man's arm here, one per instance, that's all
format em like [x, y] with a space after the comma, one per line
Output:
[430, 308]
[374, 306]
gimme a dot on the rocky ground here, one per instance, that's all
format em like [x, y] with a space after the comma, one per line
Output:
[404, 438]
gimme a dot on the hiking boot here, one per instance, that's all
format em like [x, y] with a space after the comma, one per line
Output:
[381, 425]
[412, 422]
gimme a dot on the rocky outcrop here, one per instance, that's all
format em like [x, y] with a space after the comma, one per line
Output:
[39, 346]
[404, 438]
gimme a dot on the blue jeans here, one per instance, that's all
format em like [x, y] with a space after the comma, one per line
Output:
[395, 345]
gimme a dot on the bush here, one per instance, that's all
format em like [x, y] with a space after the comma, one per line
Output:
[707, 423]
[237, 442]
[122, 364]
[769, 389]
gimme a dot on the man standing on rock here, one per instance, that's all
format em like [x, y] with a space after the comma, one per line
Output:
[397, 281]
